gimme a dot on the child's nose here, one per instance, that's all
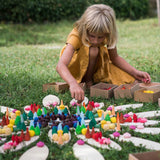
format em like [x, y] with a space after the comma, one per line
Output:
[95, 40]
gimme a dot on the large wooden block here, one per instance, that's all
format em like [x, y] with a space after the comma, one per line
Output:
[155, 155]
[103, 90]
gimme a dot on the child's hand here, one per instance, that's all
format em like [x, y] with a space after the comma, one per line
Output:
[143, 76]
[77, 92]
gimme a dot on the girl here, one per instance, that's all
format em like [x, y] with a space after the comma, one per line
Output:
[90, 53]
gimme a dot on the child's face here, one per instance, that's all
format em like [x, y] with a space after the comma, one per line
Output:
[95, 39]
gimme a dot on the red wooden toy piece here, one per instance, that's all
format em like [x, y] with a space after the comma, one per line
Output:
[27, 136]
[121, 119]
[134, 117]
[129, 119]
[88, 135]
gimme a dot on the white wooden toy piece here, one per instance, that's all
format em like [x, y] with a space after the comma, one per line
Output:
[86, 152]
[36, 153]
[124, 107]
[140, 141]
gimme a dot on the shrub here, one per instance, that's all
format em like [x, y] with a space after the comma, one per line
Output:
[132, 9]
[22, 11]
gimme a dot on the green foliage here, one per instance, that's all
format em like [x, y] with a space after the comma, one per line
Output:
[132, 9]
[19, 11]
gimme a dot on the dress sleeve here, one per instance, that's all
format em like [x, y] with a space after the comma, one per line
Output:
[74, 39]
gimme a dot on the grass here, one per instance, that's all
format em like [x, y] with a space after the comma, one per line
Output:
[28, 57]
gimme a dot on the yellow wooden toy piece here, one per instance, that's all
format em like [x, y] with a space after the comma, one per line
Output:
[11, 121]
[13, 115]
[60, 132]
[55, 137]
[84, 131]
[10, 126]
[113, 119]
[103, 122]
[99, 112]
[106, 127]
[31, 133]
[112, 126]
[18, 113]
[60, 140]
[62, 107]
[65, 137]
[148, 91]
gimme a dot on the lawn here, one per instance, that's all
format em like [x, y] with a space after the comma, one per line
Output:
[29, 55]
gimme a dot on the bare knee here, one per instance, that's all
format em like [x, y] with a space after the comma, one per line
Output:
[93, 52]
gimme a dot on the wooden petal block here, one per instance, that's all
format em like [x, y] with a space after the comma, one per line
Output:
[83, 152]
[124, 107]
[36, 153]
[148, 123]
[50, 99]
[148, 114]
[152, 131]
[140, 141]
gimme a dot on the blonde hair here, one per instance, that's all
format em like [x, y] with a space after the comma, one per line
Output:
[98, 19]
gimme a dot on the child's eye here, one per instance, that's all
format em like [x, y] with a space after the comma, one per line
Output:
[92, 36]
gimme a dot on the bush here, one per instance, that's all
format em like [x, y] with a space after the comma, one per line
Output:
[132, 9]
[22, 11]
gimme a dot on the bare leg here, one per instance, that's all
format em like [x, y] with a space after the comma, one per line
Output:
[93, 54]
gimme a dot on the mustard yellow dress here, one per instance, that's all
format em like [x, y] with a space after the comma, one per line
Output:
[105, 71]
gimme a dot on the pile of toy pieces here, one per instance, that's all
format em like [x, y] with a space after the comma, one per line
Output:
[89, 122]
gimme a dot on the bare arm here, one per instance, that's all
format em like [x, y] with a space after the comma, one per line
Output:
[121, 63]
[62, 69]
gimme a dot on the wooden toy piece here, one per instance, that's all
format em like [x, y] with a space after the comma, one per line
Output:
[3, 123]
[148, 91]
[33, 108]
[134, 117]
[92, 131]
[89, 107]
[7, 112]
[118, 122]
[113, 111]
[13, 138]
[61, 107]
[84, 105]
[38, 106]
[27, 136]
[7, 120]
[123, 88]
[61, 102]
[129, 119]
[121, 119]
[60, 141]
[88, 135]
[22, 135]
[95, 136]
